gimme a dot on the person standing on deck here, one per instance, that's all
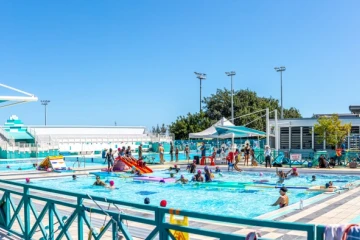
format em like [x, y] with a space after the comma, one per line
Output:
[140, 151]
[203, 150]
[187, 151]
[171, 151]
[161, 153]
[267, 154]
[177, 154]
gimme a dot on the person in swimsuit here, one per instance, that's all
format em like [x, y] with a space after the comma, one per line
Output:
[313, 178]
[177, 154]
[217, 169]
[293, 172]
[198, 177]
[128, 152]
[192, 168]
[110, 160]
[182, 180]
[187, 151]
[98, 182]
[283, 200]
[247, 154]
[207, 174]
[161, 154]
[171, 152]
[140, 151]
[281, 175]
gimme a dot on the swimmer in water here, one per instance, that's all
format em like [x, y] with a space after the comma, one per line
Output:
[98, 182]
[138, 173]
[112, 184]
[217, 170]
[283, 200]
[207, 174]
[198, 177]
[293, 172]
[281, 175]
[182, 180]
[74, 177]
[313, 178]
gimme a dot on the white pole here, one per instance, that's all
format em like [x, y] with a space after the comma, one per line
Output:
[276, 132]
[232, 148]
[267, 127]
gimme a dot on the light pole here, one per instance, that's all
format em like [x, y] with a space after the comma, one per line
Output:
[281, 69]
[231, 74]
[200, 76]
[45, 103]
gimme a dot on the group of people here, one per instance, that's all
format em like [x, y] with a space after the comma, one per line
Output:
[109, 155]
[173, 150]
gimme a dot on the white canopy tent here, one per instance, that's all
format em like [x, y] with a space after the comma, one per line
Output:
[8, 101]
[211, 131]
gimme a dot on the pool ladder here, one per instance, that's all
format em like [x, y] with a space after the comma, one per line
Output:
[79, 161]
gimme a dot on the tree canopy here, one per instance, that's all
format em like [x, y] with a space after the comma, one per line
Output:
[219, 105]
[331, 130]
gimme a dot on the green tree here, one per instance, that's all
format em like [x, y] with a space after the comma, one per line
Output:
[331, 130]
[245, 102]
[163, 129]
[189, 124]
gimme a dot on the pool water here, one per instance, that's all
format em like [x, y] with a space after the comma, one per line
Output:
[238, 201]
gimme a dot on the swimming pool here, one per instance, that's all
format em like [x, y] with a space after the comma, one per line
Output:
[238, 201]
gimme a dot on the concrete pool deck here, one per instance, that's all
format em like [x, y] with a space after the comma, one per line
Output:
[340, 208]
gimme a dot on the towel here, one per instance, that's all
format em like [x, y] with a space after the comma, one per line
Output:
[252, 236]
[352, 232]
[334, 232]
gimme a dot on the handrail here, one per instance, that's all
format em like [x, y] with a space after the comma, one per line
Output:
[81, 211]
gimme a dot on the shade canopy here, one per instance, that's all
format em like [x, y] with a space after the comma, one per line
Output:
[239, 131]
[211, 131]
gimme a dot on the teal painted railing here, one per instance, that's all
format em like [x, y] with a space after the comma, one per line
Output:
[81, 206]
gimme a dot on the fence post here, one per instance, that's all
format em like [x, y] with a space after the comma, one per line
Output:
[7, 209]
[26, 212]
[51, 221]
[160, 218]
[312, 233]
[80, 212]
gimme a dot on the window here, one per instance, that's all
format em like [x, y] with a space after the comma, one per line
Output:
[306, 138]
[295, 138]
[284, 138]
[317, 145]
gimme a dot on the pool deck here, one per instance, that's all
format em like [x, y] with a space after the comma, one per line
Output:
[343, 208]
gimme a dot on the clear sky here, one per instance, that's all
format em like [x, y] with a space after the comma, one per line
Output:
[133, 62]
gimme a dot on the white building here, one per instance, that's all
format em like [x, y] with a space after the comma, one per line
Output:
[298, 134]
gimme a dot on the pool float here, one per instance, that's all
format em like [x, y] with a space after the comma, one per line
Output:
[105, 174]
[153, 179]
[221, 184]
[279, 186]
[321, 189]
[261, 181]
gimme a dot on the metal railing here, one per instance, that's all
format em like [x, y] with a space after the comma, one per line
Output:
[81, 207]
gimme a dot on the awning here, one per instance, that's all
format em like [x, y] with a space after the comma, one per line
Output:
[239, 131]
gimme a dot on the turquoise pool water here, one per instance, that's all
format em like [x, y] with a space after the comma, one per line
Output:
[243, 201]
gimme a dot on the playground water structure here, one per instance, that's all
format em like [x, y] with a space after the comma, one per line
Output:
[237, 196]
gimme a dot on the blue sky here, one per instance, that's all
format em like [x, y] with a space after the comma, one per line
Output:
[133, 62]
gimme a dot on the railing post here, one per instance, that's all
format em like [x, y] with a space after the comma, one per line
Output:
[51, 221]
[26, 212]
[312, 233]
[7, 209]
[160, 218]
[80, 212]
